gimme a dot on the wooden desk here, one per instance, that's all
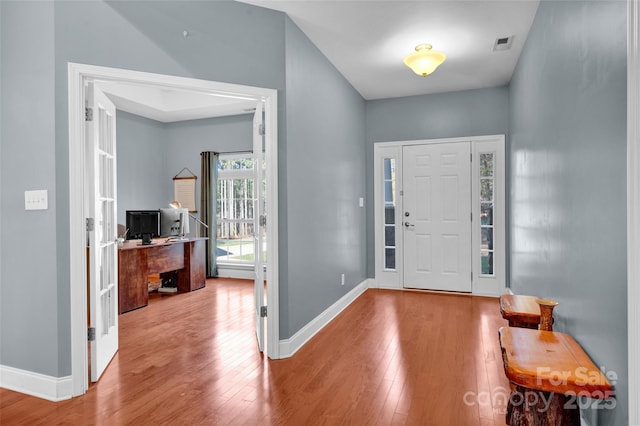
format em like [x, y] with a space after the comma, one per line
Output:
[136, 262]
[549, 370]
[520, 311]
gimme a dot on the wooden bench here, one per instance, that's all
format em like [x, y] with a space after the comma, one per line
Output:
[550, 372]
[520, 311]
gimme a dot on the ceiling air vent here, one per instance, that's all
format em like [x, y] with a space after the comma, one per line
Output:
[502, 43]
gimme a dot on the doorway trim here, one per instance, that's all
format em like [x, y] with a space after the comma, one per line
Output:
[78, 76]
[394, 279]
[633, 207]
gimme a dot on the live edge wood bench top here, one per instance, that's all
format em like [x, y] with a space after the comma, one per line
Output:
[552, 362]
[520, 309]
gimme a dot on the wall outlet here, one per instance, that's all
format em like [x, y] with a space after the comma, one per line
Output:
[342, 280]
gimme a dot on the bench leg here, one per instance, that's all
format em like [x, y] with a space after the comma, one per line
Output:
[528, 407]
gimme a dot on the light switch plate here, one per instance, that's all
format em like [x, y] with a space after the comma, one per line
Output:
[361, 202]
[36, 200]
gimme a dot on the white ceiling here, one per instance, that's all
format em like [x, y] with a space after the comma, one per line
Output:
[366, 40]
[168, 105]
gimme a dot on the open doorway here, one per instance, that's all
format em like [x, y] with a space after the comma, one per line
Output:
[79, 78]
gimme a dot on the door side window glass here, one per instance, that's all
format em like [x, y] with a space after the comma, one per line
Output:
[389, 184]
[487, 181]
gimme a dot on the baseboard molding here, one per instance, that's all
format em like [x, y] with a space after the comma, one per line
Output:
[290, 346]
[36, 384]
[373, 283]
[244, 274]
[588, 416]
[376, 285]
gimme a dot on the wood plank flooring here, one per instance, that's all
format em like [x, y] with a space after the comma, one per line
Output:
[391, 358]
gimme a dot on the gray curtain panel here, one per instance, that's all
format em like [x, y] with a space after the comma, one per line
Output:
[209, 206]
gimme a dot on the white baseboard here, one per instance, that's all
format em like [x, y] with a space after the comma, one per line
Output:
[290, 346]
[36, 384]
[373, 283]
[241, 273]
[383, 287]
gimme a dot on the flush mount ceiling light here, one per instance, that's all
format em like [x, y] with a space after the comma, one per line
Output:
[424, 61]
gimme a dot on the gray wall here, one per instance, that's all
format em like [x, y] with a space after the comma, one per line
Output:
[568, 177]
[443, 115]
[151, 153]
[142, 164]
[567, 148]
[147, 36]
[187, 139]
[30, 302]
[325, 177]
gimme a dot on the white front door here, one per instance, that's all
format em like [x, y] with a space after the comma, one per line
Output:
[101, 196]
[259, 223]
[436, 216]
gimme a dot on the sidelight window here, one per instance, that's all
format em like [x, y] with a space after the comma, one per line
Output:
[389, 184]
[487, 230]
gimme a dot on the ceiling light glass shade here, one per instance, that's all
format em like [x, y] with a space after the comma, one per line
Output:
[424, 61]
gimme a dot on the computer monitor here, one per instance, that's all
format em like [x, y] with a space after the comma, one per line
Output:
[174, 222]
[143, 223]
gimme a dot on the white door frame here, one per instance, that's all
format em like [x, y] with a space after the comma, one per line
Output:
[103, 250]
[492, 286]
[78, 75]
[633, 207]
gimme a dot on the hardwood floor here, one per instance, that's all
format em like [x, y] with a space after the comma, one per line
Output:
[391, 358]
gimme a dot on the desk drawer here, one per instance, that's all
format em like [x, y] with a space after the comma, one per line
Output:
[165, 258]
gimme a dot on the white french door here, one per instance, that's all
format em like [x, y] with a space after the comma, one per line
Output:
[259, 222]
[102, 230]
[436, 216]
